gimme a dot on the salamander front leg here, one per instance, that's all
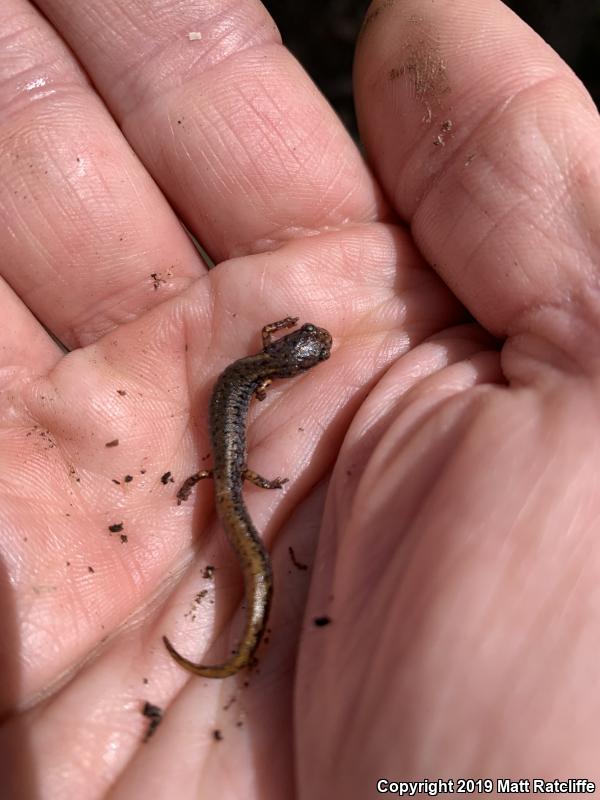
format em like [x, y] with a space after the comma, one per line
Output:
[288, 322]
[261, 392]
[263, 483]
[189, 483]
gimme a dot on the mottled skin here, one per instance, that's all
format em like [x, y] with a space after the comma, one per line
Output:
[292, 354]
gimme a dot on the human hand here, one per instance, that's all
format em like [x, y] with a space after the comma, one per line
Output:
[425, 510]
[460, 540]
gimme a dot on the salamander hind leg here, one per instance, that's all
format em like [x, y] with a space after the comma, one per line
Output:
[263, 483]
[269, 329]
[189, 483]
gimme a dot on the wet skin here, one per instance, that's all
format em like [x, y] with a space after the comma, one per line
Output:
[286, 357]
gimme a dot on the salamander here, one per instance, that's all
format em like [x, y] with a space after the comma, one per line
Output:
[246, 378]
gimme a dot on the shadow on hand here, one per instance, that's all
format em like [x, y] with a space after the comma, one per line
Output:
[17, 768]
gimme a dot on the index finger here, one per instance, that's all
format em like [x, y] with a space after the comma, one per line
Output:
[228, 123]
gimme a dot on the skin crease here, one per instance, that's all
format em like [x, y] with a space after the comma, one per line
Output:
[443, 473]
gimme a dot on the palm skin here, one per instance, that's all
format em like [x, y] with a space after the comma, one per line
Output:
[443, 473]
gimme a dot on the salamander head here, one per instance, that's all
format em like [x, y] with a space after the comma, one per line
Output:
[300, 350]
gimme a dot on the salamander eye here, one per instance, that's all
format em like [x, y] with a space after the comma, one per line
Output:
[309, 328]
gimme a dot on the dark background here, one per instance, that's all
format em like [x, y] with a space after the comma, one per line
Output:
[322, 35]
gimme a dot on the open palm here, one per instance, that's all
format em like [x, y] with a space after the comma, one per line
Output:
[443, 489]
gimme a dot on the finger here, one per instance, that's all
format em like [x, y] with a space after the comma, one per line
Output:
[488, 144]
[230, 126]
[87, 240]
[24, 341]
